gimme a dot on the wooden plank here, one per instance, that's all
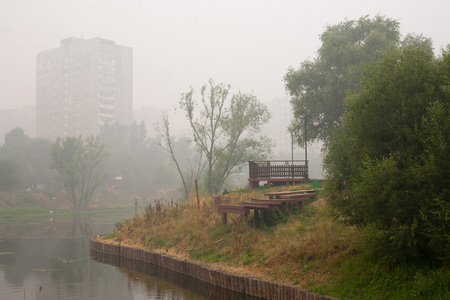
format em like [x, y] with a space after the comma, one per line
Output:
[289, 192]
[276, 179]
[253, 205]
[294, 196]
[294, 200]
[267, 201]
[236, 209]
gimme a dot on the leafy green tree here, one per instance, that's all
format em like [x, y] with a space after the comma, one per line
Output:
[318, 88]
[389, 163]
[80, 164]
[30, 158]
[15, 151]
[225, 135]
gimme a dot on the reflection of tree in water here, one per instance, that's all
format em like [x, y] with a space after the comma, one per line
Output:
[45, 247]
[71, 255]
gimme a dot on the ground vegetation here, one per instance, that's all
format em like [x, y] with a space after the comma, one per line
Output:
[307, 247]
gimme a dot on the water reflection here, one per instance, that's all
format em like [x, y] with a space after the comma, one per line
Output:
[151, 275]
[50, 259]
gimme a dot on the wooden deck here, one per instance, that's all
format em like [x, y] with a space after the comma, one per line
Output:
[272, 171]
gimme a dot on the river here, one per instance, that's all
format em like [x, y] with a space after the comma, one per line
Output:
[50, 259]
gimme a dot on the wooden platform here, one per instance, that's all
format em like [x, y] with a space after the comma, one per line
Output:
[288, 171]
[288, 194]
[277, 201]
[223, 209]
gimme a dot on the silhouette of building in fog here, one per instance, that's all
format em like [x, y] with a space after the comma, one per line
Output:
[81, 85]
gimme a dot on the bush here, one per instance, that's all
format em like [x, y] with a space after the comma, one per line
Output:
[389, 165]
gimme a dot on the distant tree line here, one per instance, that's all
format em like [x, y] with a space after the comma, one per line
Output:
[25, 163]
[224, 138]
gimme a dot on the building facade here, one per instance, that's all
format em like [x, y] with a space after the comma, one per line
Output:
[81, 85]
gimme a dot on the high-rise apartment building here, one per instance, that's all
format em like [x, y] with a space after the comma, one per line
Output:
[81, 85]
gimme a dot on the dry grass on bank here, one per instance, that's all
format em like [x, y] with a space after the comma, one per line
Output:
[297, 250]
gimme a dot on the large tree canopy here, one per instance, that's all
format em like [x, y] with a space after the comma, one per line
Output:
[389, 163]
[29, 159]
[226, 135]
[80, 164]
[318, 88]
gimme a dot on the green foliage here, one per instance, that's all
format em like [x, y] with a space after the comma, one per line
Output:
[360, 277]
[388, 164]
[318, 88]
[268, 220]
[225, 134]
[30, 160]
[8, 175]
[80, 164]
[161, 243]
[113, 235]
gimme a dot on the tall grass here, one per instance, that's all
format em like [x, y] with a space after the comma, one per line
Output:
[305, 247]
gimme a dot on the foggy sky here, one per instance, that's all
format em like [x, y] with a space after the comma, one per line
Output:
[183, 43]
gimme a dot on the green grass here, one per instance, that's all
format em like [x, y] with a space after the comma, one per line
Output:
[207, 255]
[9, 214]
[308, 247]
[359, 277]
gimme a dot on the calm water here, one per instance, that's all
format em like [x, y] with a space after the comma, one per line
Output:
[50, 259]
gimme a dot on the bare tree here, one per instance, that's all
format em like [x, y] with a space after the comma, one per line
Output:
[168, 144]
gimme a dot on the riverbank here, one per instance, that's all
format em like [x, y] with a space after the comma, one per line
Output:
[307, 248]
[55, 204]
[214, 276]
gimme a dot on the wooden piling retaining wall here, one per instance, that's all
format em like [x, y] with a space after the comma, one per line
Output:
[242, 284]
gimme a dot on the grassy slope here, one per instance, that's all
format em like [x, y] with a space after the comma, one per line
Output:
[307, 248]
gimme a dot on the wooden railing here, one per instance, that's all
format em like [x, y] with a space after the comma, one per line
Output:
[278, 169]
